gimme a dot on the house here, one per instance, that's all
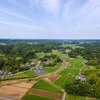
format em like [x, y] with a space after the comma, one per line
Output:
[1, 72]
[81, 78]
[27, 64]
[32, 63]
[86, 61]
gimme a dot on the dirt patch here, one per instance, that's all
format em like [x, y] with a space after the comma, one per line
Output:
[53, 78]
[16, 91]
[65, 63]
[45, 94]
[23, 85]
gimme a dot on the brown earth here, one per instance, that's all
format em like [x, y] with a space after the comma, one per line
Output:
[23, 85]
[16, 91]
[53, 78]
[45, 94]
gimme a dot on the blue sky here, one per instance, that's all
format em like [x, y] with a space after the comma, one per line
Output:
[50, 19]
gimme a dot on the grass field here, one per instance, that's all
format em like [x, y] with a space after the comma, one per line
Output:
[63, 80]
[52, 69]
[72, 97]
[22, 75]
[49, 70]
[44, 85]
[70, 73]
[40, 55]
[34, 97]
[59, 54]
[76, 62]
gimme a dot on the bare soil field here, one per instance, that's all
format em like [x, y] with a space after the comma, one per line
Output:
[23, 85]
[53, 78]
[16, 91]
[45, 94]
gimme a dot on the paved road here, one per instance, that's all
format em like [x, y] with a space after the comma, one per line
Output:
[64, 95]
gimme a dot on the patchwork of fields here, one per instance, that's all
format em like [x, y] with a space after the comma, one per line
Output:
[48, 87]
[44, 90]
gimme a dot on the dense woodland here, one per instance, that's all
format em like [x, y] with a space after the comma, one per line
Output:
[13, 55]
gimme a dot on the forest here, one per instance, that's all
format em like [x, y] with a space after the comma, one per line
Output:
[13, 55]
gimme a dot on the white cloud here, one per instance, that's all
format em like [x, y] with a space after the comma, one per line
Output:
[77, 8]
[51, 6]
[14, 14]
[33, 27]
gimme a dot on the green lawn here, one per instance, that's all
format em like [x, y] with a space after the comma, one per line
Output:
[23, 75]
[34, 97]
[72, 97]
[44, 85]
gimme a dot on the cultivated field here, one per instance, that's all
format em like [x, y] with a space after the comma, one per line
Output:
[72, 97]
[15, 91]
[70, 73]
[35, 97]
[49, 86]
[44, 85]
[46, 94]
[23, 75]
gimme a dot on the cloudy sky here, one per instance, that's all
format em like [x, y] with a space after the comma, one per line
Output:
[50, 19]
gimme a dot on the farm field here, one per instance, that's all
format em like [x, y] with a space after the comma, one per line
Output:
[47, 94]
[50, 85]
[44, 85]
[15, 91]
[56, 52]
[59, 54]
[72, 97]
[23, 75]
[49, 70]
[70, 73]
[35, 97]
[52, 69]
